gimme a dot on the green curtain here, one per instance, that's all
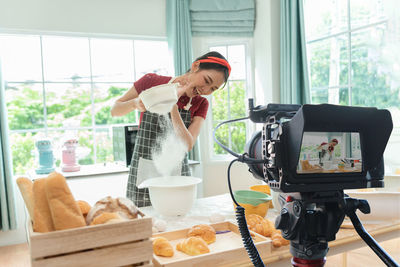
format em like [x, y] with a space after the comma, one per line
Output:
[7, 201]
[222, 17]
[179, 36]
[295, 88]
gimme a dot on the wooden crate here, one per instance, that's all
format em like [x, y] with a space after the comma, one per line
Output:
[115, 244]
[228, 248]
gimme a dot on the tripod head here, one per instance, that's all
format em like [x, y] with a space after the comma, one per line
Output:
[310, 221]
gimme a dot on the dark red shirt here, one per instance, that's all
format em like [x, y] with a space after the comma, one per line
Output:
[199, 104]
[330, 147]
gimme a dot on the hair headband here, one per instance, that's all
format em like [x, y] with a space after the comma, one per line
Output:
[216, 60]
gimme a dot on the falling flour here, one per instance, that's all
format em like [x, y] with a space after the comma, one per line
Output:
[170, 150]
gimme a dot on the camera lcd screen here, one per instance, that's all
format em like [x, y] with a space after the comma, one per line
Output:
[330, 152]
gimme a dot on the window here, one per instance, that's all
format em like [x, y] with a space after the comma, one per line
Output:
[353, 55]
[61, 86]
[229, 102]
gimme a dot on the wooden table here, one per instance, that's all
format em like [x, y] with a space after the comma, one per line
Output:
[346, 239]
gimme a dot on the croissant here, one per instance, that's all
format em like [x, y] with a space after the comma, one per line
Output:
[162, 247]
[205, 231]
[278, 240]
[266, 228]
[193, 246]
[259, 225]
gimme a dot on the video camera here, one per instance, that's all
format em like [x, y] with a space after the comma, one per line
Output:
[310, 154]
[292, 134]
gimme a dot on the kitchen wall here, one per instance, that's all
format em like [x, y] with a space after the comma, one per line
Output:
[125, 17]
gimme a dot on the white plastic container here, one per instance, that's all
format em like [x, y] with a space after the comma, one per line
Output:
[160, 99]
[172, 195]
[384, 205]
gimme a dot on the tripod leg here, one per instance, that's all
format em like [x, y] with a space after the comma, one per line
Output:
[379, 251]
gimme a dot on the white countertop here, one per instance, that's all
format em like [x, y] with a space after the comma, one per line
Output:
[85, 170]
[200, 212]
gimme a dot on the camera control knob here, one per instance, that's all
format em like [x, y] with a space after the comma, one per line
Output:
[282, 221]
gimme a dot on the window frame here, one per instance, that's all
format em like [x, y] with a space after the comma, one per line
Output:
[93, 128]
[348, 32]
[250, 93]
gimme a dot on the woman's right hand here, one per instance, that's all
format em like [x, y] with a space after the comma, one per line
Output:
[139, 104]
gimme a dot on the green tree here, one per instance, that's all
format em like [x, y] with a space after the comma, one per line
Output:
[370, 84]
[237, 108]
[26, 112]
[22, 147]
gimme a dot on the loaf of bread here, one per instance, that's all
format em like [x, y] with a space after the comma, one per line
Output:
[162, 247]
[25, 186]
[123, 206]
[65, 212]
[193, 246]
[42, 220]
[84, 207]
[204, 231]
[107, 217]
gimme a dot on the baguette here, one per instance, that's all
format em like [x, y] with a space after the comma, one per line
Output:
[25, 186]
[65, 211]
[42, 221]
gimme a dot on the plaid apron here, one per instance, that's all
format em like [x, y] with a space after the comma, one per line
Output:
[151, 129]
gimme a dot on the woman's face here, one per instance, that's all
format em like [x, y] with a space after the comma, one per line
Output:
[204, 82]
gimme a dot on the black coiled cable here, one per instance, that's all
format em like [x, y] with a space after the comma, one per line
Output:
[242, 158]
[242, 224]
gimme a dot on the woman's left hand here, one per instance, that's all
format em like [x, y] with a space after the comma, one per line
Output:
[182, 88]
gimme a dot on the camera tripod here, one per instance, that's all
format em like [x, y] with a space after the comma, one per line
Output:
[311, 220]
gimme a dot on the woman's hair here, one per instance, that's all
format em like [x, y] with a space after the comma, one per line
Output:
[214, 66]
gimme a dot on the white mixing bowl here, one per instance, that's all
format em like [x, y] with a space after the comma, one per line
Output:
[172, 195]
[160, 99]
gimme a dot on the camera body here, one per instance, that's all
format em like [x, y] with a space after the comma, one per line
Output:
[295, 141]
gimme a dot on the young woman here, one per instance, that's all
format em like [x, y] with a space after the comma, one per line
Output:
[326, 150]
[207, 73]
